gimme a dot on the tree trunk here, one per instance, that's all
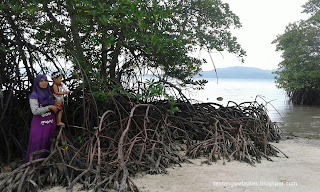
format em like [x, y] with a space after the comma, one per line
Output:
[114, 61]
[75, 34]
[103, 68]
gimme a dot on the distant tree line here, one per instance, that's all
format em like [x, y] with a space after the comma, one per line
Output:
[299, 72]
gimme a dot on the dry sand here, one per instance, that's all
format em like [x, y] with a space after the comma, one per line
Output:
[299, 172]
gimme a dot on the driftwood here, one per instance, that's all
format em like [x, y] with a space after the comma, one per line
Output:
[134, 138]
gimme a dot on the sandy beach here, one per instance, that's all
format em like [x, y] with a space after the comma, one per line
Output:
[299, 172]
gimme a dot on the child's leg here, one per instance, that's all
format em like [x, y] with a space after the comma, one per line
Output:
[59, 113]
[59, 116]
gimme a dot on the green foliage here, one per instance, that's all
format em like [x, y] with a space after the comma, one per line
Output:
[101, 96]
[300, 45]
[98, 42]
[173, 108]
[80, 140]
[119, 39]
[151, 90]
[312, 7]
[64, 145]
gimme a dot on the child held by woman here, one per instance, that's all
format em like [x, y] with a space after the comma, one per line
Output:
[59, 90]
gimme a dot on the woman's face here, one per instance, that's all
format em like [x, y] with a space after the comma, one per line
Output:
[43, 83]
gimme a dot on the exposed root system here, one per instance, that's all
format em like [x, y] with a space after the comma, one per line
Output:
[147, 138]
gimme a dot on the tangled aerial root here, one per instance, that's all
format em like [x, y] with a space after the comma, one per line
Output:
[148, 138]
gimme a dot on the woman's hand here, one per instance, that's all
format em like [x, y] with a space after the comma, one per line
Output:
[53, 108]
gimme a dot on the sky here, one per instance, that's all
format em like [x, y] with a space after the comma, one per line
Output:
[262, 21]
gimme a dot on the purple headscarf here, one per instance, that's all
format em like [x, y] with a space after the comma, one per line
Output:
[44, 96]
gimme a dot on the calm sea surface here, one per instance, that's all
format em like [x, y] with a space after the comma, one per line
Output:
[298, 120]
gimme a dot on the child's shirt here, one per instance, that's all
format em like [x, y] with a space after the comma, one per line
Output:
[61, 88]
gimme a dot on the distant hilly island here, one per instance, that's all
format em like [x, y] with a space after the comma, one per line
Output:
[240, 73]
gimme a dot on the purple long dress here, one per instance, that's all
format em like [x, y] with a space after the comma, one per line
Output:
[43, 125]
[42, 130]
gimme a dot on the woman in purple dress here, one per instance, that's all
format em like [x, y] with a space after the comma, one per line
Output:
[43, 123]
